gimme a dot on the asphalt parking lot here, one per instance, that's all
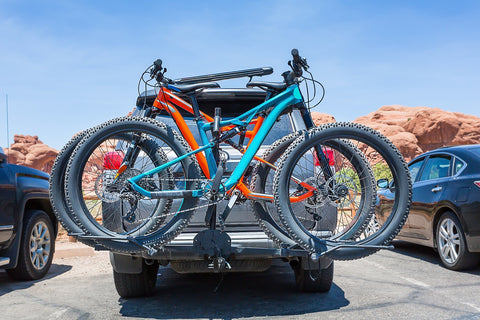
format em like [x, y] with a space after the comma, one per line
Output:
[408, 283]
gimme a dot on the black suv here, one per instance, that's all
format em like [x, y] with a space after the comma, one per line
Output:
[28, 227]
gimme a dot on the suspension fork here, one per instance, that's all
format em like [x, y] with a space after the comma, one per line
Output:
[309, 124]
[130, 156]
[133, 151]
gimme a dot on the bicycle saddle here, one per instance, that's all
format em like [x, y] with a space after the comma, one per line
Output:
[186, 88]
[277, 86]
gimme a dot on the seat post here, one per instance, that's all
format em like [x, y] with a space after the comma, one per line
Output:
[196, 108]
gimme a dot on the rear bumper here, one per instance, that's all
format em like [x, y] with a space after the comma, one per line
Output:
[250, 251]
[245, 245]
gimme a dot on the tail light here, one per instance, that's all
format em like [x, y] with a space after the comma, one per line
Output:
[477, 183]
[329, 154]
[112, 160]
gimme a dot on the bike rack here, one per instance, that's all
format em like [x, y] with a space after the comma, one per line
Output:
[174, 250]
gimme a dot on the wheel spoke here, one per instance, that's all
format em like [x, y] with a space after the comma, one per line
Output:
[453, 252]
[445, 251]
[44, 259]
[450, 227]
[43, 231]
[37, 261]
[35, 232]
[443, 232]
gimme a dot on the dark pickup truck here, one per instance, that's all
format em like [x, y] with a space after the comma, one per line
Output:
[28, 227]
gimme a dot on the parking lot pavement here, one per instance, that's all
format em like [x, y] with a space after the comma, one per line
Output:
[408, 283]
[67, 249]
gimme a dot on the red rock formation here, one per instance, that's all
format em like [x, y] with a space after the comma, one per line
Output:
[322, 118]
[421, 129]
[415, 130]
[29, 151]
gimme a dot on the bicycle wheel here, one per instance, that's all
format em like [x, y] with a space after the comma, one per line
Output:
[383, 159]
[57, 190]
[262, 182]
[99, 194]
[327, 217]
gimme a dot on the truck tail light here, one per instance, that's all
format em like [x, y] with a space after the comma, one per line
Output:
[477, 183]
[112, 160]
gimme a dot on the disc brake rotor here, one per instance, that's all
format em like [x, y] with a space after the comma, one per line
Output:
[109, 189]
[319, 199]
[341, 190]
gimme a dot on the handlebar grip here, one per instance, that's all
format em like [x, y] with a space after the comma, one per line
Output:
[156, 70]
[158, 63]
[295, 55]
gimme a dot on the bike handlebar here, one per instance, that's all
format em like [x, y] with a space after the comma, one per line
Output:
[297, 64]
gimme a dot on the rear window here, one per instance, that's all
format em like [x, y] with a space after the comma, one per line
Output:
[281, 128]
[459, 164]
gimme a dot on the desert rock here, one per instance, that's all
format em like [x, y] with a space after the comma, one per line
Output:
[415, 130]
[31, 152]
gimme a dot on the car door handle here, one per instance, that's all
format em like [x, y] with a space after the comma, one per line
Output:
[437, 189]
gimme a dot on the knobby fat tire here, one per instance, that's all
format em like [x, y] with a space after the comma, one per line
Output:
[381, 145]
[74, 170]
[57, 190]
[261, 171]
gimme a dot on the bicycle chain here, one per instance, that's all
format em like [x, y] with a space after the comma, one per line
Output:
[222, 223]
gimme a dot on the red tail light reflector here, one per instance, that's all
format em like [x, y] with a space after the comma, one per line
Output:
[330, 156]
[477, 183]
[112, 160]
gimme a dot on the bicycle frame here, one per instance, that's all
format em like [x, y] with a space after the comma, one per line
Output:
[279, 103]
[168, 101]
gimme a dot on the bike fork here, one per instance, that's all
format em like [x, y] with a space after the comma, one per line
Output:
[301, 119]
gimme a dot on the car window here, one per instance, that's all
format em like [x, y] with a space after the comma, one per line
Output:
[436, 167]
[414, 168]
[459, 164]
[281, 128]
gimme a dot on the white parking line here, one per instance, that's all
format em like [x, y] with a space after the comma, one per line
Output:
[415, 282]
[59, 313]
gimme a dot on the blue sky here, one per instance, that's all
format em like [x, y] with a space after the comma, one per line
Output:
[69, 65]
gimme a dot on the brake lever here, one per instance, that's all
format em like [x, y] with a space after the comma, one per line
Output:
[296, 68]
[304, 64]
[156, 70]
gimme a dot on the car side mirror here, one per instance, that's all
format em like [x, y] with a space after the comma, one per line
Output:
[382, 183]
